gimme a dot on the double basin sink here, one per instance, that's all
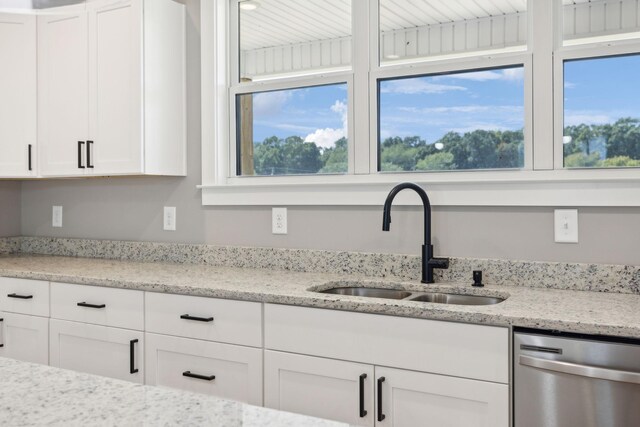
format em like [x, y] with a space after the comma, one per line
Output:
[396, 294]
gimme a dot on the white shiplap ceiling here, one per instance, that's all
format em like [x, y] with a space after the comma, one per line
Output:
[283, 22]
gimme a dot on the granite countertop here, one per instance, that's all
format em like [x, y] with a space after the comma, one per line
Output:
[599, 313]
[32, 395]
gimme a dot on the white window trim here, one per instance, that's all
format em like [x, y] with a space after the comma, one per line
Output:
[538, 184]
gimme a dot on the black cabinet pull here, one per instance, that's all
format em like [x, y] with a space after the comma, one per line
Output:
[197, 319]
[132, 354]
[20, 296]
[1, 345]
[80, 144]
[30, 168]
[198, 377]
[84, 304]
[381, 416]
[89, 164]
[363, 412]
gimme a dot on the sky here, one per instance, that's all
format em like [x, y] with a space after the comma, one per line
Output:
[597, 91]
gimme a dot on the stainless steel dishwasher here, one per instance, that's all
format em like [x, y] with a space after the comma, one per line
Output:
[573, 380]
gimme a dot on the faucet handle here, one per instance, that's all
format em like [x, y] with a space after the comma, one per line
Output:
[439, 263]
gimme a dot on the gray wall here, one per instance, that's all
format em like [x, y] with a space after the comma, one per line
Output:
[9, 208]
[131, 209]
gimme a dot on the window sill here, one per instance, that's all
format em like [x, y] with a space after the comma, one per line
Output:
[487, 188]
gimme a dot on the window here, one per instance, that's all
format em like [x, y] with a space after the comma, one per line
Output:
[465, 120]
[291, 89]
[293, 131]
[602, 112]
[485, 102]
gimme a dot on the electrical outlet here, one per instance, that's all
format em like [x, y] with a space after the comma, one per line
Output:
[56, 217]
[279, 221]
[169, 218]
[566, 225]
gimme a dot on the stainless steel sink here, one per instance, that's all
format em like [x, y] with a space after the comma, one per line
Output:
[458, 299]
[398, 294]
[369, 292]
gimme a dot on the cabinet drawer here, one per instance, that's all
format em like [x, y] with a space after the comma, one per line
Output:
[121, 308]
[234, 322]
[456, 349]
[24, 296]
[99, 350]
[223, 370]
[24, 338]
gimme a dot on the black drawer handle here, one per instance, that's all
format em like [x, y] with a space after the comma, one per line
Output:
[1, 345]
[132, 356]
[381, 416]
[29, 152]
[198, 377]
[89, 164]
[197, 319]
[20, 296]
[84, 304]
[363, 412]
[80, 146]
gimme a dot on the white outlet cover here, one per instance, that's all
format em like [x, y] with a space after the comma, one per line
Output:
[566, 225]
[169, 221]
[279, 220]
[56, 217]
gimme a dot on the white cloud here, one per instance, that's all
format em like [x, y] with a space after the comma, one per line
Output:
[418, 86]
[479, 126]
[574, 118]
[513, 74]
[270, 103]
[569, 85]
[464, 109]
[327, 137]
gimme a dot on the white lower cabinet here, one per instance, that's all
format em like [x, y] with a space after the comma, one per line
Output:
[325, 388]
[365, 395]
[100, 350]
[24, 338]
[408, 398]
[228, 371]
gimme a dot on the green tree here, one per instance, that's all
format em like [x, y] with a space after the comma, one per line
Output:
[620, 162]
[336, 159]
[289, 156]
[404, 153]
[436, 162]
[622, 138]
[582, 160]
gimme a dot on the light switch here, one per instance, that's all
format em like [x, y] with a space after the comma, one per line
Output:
[566, 225]
[169, 223]
[279, 221]
[56, 217]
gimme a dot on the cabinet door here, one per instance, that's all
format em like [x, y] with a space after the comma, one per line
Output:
[63, 94]
[24, 338]
[99, 350]
[18, 100]
[115, 87]
[407, 398]
[223, 370]
[319, 387]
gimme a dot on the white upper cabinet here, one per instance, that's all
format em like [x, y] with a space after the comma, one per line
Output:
[112, 90]
[63, 94]
[17, 95]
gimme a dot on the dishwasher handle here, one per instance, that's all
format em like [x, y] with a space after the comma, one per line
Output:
[581, 370]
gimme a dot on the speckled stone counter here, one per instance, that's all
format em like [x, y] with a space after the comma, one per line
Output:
[36, 395]
[599, 313]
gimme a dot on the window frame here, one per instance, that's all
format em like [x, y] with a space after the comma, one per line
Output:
[593, 50]
[540, 183]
